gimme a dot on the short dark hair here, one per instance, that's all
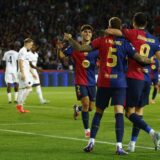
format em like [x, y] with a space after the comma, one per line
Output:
[115, 22]
[86, 26]
[140, 19]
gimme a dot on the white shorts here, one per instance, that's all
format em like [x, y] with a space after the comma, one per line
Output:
[11, 78]
[28, 81]
[37, 80]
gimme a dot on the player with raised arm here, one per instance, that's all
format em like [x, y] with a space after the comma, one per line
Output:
[33, 58]
[85, 83]
[25, 74]
[111, 79]
[10, 60]
[138, 77]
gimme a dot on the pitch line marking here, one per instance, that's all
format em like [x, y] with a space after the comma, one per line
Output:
[66, 138]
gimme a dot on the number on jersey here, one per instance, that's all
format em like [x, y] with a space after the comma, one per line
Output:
[112, 57]
[144, 50]
[10, 59]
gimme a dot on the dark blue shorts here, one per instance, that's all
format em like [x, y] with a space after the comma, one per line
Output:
[137, 93]
[103, 96]
[83, 91]
[155, 81]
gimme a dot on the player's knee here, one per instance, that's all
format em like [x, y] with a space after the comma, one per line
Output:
[99, 110]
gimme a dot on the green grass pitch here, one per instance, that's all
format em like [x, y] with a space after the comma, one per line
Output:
[49, 132]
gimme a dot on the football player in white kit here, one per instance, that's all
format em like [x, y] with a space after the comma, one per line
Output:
[11, 72]
[25, 74]
[33, 56]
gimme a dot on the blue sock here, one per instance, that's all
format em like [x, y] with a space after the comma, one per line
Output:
[135, 131]
[95, 124]
[135, 119]
[85, 119]
[119, 126]
[154, 93]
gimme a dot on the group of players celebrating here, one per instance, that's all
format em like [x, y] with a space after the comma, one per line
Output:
[125, 61]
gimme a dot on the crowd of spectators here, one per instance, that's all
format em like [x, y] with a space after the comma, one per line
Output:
[47, 20]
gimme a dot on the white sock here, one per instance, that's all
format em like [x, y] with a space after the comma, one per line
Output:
[15, 96]
[9, 97]
[20, 96]
[87, 130]
[26, 93]
[92, 140]
[132, 142]
[151, 133]
[39, 92]
[119, 144]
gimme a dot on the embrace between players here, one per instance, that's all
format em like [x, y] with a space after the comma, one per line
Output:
[124, 70]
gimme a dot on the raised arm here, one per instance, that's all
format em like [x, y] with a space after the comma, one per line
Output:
[115, 32]
[76, 45]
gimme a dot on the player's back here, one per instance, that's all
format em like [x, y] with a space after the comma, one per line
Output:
[11, 58]
[146, 45]
[113, 54]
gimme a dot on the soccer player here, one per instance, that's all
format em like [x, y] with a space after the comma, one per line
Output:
[33, 57]
[138, 77]
[154, 79]
[85, 83]
[111, 83]
[11, 75]
[25, 74]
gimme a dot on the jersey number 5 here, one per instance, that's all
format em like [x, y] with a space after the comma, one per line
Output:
[111, 57]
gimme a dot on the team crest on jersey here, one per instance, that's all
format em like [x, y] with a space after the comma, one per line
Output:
[153, 67]
[85, 63]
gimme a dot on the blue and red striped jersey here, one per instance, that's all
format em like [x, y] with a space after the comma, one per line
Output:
[85, 66]
[154, 69]
[146, 45]
[113, 53]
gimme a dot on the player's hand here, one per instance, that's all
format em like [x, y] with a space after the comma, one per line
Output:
[39, 70]
[67, 36]
[23, 78]
[59, 45]
[152, 59]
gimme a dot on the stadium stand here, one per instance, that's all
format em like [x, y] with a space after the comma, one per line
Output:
[48, 20]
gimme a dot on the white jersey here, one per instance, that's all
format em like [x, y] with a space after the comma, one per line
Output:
[33, 57]
[24, 55]
[11, 58]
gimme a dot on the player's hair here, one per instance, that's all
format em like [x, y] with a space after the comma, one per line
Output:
[11, 46]
[115, 22]
[140, 19]
[28, 40]
[86, 26]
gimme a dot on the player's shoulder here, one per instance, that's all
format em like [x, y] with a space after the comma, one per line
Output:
[23, 49]
[151, 36]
